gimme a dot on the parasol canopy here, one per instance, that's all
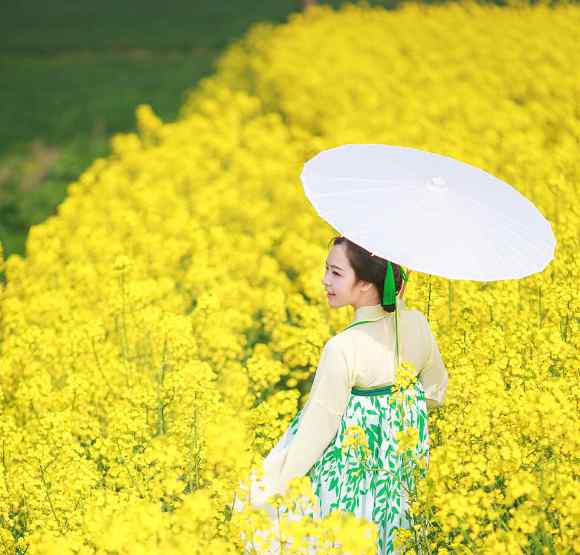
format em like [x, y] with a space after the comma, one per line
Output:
[428, 212]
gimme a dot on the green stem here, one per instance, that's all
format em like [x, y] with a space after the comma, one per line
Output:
[5, 466]
[282, 545]
[126, 467]
[566, 324]
[100, 368]
[429, 298]
[449, 299]
[124, 340]
[52, 509]
[161, 427]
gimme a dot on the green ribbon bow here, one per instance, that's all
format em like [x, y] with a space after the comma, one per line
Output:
[389, 295]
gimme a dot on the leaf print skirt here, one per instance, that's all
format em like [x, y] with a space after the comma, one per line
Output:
[371, 466]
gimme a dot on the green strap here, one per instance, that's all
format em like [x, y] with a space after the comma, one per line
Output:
[361, 322]
[397, 336]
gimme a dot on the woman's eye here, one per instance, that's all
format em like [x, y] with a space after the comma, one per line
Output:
[336, 273]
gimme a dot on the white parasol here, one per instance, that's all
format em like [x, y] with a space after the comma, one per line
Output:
[429, 212]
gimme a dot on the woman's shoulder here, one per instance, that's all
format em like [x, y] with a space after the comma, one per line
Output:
[343, 342]
[415, 314]
[338, 341]
[414, 320]
[411, 313]
[345, 337]
[349, 339]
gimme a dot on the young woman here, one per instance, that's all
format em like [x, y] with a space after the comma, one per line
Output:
[348, 437]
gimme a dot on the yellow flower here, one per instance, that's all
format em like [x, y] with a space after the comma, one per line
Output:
[407, 439]
[354, 437]
[405, 377]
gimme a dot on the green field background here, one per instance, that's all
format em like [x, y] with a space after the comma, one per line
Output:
[72, 73]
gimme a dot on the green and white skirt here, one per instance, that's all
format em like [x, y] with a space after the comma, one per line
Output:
[371, 466]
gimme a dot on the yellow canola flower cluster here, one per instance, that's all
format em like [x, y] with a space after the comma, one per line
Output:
[406, 376]
[355, 438]
[164, 325]
[407, 439]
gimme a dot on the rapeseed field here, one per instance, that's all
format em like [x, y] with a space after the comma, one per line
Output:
[162, 328]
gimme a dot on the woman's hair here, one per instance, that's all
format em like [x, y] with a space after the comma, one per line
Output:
[370, 268]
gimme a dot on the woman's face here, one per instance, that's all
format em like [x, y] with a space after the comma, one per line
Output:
[339, 278]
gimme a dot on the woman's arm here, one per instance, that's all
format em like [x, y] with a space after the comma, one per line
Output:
[433, 376]
[318, 422]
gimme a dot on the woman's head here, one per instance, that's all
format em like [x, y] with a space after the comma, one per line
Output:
[355, 277]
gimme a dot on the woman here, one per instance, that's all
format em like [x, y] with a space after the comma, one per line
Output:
[349, 436]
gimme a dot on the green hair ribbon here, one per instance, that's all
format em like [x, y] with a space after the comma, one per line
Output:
[390, 297]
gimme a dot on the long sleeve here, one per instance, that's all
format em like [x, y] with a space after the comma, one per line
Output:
[318, 423]
[433, 375]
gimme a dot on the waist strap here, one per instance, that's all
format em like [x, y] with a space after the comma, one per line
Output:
[367, 391]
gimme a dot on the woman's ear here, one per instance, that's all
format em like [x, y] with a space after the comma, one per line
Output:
[366, 285]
